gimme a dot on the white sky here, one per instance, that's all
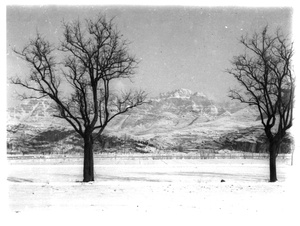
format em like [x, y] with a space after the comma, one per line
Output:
[179, 47]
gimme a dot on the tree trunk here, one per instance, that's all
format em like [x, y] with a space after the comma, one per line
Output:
[88, 161]
[273, 148]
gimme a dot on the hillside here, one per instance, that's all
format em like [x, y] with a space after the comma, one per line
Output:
[175, 121]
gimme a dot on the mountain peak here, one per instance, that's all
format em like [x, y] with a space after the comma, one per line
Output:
[181, 93]
[200, 94]
[178, 93]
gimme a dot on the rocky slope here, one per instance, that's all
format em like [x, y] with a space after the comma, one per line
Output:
[175, 121]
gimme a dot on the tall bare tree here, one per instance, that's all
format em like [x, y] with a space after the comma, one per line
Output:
[264, 72]
[94, 54]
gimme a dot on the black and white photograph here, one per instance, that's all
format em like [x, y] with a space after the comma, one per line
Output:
[150, 114]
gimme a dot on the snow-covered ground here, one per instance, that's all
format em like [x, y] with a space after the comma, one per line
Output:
[173, 189]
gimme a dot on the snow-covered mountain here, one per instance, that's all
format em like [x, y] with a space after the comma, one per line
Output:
[37, 112]
[178, 119]
[181, 105]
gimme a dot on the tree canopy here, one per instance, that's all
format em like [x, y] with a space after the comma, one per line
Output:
[264, 72]
[94, 55]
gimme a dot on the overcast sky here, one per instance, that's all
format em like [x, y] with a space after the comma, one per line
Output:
[179, 47]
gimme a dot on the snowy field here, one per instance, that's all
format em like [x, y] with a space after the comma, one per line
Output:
[174, 190]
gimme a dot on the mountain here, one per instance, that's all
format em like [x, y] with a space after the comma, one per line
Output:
[176, 108]
[37, 112]
[172, 110]
[177, 120]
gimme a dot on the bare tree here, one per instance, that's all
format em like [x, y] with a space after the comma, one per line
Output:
[94, 54]
[265, 73]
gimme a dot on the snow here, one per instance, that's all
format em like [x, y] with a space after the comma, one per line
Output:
[185, 189]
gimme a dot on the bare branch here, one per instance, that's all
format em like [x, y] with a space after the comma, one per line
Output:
[95, 53]
[264, 72]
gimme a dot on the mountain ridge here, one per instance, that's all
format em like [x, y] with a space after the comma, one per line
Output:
[176, 120]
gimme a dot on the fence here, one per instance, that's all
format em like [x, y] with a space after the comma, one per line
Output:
[200, 155]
